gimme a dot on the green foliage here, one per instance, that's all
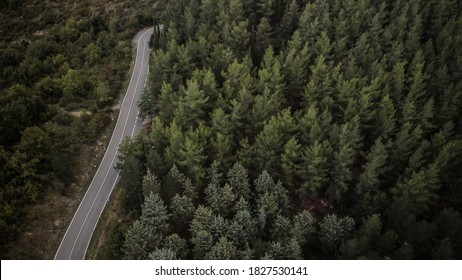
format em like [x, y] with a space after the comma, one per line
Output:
[369, 241]
[191, 105]
[315, 167]
[145, 234]
[374, 167]
[238, 180]
[176, 244]
[51, 63]
[150, 184]
[162, 254]
[222, 250]
[22, 108]
[154, 213]
[131, 171]
[137, 241]
[182, 209]
[31, 161]
[303, 227]
[76, 87]
[279, 251]
[336, 109]
[202, 243]
[334, 230]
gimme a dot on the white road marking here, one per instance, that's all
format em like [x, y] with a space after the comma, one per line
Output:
[112, 162]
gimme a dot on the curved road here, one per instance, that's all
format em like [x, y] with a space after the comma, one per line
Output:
[78, 235]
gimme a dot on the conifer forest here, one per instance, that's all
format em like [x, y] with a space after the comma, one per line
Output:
[285, 129]
[273, 129]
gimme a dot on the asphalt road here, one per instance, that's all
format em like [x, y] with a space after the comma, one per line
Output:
[78, 235]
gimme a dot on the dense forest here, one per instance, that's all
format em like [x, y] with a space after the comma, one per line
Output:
[62, 65]
[295, 129]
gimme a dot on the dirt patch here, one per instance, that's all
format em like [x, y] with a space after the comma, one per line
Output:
[79, 113]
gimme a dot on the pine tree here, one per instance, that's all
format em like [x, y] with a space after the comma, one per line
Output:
[238, 180]
[270, 142]
[167, 103]
[270, 74]
[281, 226]
[265, 106]
[202, 219]
[309, 24]
[237, 77]
[344, 157]
[202, 243]
[191, 13]
[219, 227]
[221, 147]
[314, 171]
[177, 245]
[191, 155]
[280, 251]
[208, 12]
[236, 10]
[386, 120]
[238, 37]
[174, 136]
[150, 184]
[190, 110]
[131, 171]
[315, 89]
[334, 230]
[240, 114]
[222, 250]
[139, 241]
[295, 66]
[291, 162]
[264, 8]
[374, 167]
[242, 229]
[263, 39]
[162, 254]
[406, 141]
[323, 46]
[222, 200]
[221, 122]
[154, 214]
[364, 243]
[182, 209]
[264, 183]
[289, 22]
[303, 227]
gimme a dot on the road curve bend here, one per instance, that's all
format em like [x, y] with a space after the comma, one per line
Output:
[75, 242]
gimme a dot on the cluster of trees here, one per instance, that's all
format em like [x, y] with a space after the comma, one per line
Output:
[71, 63]
[300, 129]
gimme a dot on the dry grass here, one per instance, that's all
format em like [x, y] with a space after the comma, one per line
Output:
[113, 217]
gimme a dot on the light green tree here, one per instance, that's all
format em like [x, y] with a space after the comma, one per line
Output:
[222, 250]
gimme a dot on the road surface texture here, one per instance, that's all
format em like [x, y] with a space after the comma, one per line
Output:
[78, 235]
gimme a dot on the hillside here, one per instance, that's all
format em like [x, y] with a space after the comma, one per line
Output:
[63, 64]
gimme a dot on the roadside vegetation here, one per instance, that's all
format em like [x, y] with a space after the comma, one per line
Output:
[63, 64]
